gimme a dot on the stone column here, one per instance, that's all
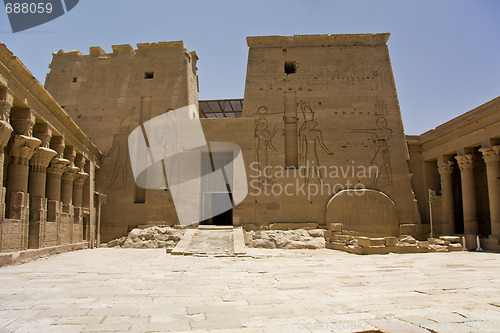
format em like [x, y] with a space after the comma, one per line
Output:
[22, 148]
[57, 167]
[5, 132]
[68, 176]
[36, 186]
[40, 161]
[491, 157]
[471, 226]
[445, 170]
[80, 178]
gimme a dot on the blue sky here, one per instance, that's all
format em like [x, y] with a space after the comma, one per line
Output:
[445, 54]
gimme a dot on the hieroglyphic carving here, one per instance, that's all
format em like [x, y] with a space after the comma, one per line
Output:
[380, 107]
[118, 154]
[382, 157]
[264, 137]
[309, 137]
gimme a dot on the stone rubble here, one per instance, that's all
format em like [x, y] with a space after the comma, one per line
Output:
[286, 239]
[149, 238]
[339, 239]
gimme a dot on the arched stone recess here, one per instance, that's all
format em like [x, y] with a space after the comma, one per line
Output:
[368, 212]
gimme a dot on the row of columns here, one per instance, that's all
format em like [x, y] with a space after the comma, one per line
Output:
[40, 164]
[491, 157]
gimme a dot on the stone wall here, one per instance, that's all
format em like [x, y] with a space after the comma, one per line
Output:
[109, 95]
[327, 100]
[47, 165]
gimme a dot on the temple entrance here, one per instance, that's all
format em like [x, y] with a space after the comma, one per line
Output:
[212, 202]
[225, 218]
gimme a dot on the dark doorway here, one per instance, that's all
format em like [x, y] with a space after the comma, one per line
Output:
[85, 228]
[225, 218]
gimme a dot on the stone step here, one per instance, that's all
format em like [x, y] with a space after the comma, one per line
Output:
[212, 240]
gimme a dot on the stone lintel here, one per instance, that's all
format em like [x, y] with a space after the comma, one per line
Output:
[318, 40]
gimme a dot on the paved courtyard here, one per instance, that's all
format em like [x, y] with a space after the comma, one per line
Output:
[130, 290]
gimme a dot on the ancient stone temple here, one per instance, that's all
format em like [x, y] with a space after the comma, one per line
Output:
[317, 142]
[47, 167]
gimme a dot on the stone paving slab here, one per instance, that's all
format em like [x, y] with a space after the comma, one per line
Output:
[146, 290]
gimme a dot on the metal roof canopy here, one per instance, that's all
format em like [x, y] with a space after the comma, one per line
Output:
[221, 108]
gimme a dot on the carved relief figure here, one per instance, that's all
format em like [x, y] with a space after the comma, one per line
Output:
[118, 154]
[264, 137]
[309, 138]
[382, 158]
[169, 138]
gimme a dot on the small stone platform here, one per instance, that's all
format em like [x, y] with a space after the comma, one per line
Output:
[211, 240]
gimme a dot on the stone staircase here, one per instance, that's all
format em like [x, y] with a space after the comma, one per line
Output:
[211, 240]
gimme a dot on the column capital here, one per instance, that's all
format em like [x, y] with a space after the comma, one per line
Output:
[491, 154]
[5, 132]
[5, 107]
[80, 161]
[41, 159]
[465, 162]
[44, 133]
[446, 168]
[57, 143]
[70, 173]
[70, 154]
[22, 148]
[58, 166]
[80, 178]
[22, 121]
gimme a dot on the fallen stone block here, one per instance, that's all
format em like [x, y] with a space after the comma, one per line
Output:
[317, 233]
[407, 239]
[455, 247]
[377, 242]
[335, 227]
[341, 238]
[451, 239]
[363, 241]
[423, 244]
[391, 241]
[374, 250]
